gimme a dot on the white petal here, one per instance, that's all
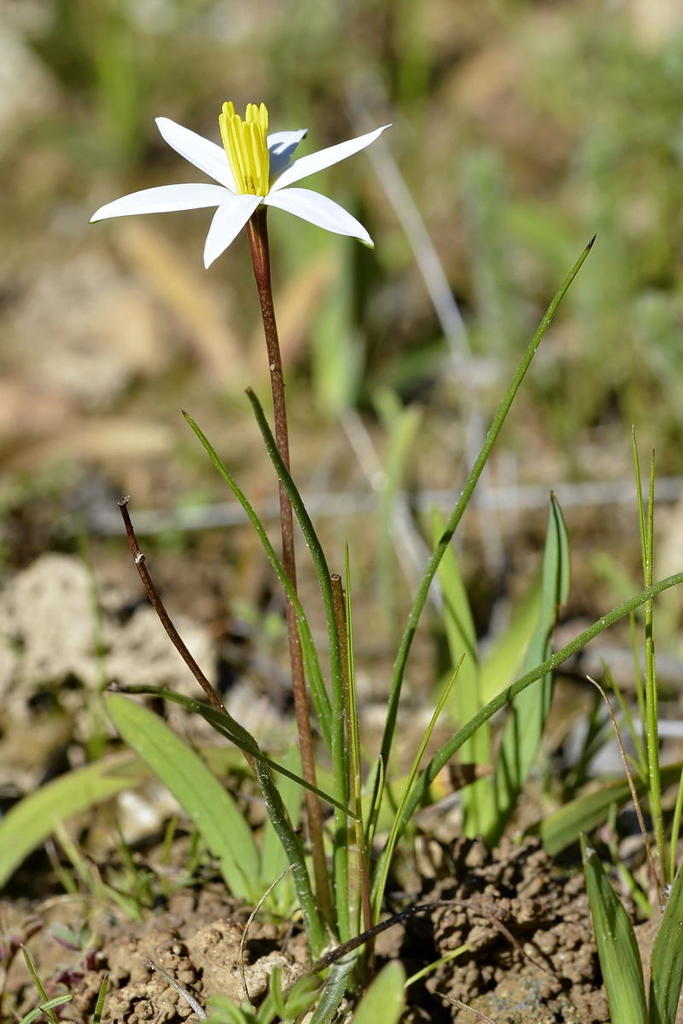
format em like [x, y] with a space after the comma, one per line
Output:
[306, 165]
[228, 221]
[319, 210]
[281, 146]
[201, 152]
[164, 199]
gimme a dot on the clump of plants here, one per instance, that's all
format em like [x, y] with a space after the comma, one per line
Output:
[331, 836]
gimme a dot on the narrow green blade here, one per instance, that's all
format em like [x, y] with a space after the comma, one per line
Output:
[319, 695]
[506, 653]
[45, 1008]
[385, 998]
[526, 719]
[589, 810]
[227, 726]
[199, 793]
[334, 991]
[477, 803]
[398, 672]
[273, 857]
[617, 947]
[667, 959]
[33, 819]
[452, 745]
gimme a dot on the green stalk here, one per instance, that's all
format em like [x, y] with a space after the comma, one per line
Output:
[476, 471]
[355, 773]
[646, 523]
[291, 844]
[338, 750]
[396, 827]
[318, 692]
[348, 880]
[676, 827]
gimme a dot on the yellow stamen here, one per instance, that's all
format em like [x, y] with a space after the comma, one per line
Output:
[246, 147]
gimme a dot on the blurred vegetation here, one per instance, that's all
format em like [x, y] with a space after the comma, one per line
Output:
[521, 128]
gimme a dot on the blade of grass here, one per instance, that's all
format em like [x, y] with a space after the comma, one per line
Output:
[273, 858]
[319, 694]
[207, 804]
[29, 822]
[44, 998]
[227, 726]
[338, 746]
[586, 812]
[528, 712]
[381, 875]
[666, 965]
[452, 954]
[101, 997]
[506, 653]
[640, 683]
[277, 815]
[346, 874]
[385, 998]
[640, 759]
[334, 991]
[330, 718]
[477, 806]
[617, 947]
[355, 778]
[314, 546]
[213, 811]
[405, 645]
[445, 752]
[45, 1007]
[676, 826]
[646, 523]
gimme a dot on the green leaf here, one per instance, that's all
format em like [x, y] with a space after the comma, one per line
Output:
[318, 692]
[222, 1011]
[33, 819]
[462, 640]
[227, 726]
[37, 981]
[273, 857]
[335, 990]
[616, 942]
[101, 998]
[526, 719]
[301, 996]
[45, 1008]
[383, 863]
[213, 811]
[454, 743]
[505, 655]
[384, 1000]
[401, 660]
[666, 964]
[477, 803]
[564, 826]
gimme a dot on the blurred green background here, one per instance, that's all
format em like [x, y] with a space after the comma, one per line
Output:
[519, 130]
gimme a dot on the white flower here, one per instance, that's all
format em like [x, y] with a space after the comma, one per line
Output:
[251, 168]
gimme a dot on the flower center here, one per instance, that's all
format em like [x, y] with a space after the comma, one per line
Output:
[246, 146]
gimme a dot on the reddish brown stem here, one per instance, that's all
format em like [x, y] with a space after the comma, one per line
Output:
[159, 607]
[257, 231]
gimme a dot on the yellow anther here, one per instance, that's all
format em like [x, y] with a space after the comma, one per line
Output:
[246, 146]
